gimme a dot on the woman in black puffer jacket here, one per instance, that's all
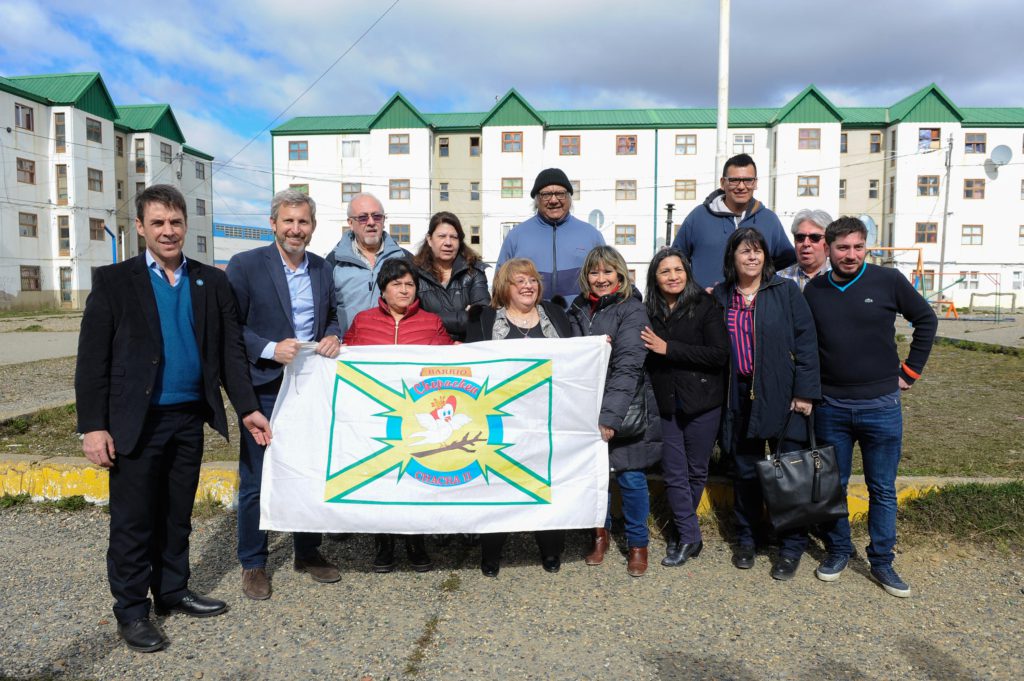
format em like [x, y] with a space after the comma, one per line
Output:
[451, 276]
[609, 305]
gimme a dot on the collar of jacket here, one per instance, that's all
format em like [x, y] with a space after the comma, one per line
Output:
[561, 222]
[344, 251]
[458, 267]
[755, 206]
[413, 308]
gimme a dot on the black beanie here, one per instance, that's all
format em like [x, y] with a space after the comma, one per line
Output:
[549, 177]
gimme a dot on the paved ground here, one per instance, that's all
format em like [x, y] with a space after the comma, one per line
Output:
[703, 620]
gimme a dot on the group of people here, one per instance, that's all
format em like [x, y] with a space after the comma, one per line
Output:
[719, 348]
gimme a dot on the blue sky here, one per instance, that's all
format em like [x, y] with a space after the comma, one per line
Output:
[229, 68]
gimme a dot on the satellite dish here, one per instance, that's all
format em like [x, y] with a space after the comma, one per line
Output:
[596, 218]
[1001, 155]
[872, 239]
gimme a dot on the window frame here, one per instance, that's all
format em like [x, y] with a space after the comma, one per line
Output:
[166, 152]
[398, 144]
[93, 130]
[975, 146]
[686, 190]
[625, 190]
[926, 232]
[873, 186]
[442, 191]
[401, 233]
[26, 168]
[875, 143]
[568, 145]
[60, 132]
[24, 117]
[201, 243]
[140, 155]
[31, 277]
[930, 141]
[63, 235]
[94, 179]
[443, 147]
[474, 145]
[60, 184]
[348, 191]
[200, 206]
[512, 142]
[28, 228]
[739, 147]
[688, 143]
[808, 139]
[511, 187]
[976, 190]
[474, 191]
[626, 145]
[805, 188]
[200, 170]
[844, 142]
[399, 187]
[972, 235]
[351, 147]
[842, 187]
[298, 150]
[96, 230]
[625, 234]
[927, 185]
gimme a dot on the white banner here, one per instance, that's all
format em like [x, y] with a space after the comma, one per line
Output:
[483, 437]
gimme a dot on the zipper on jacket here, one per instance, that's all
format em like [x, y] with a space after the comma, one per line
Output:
[554, 261]
[396, 332]
[753, 364]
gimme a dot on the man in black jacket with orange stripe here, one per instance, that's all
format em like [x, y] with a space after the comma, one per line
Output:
[854, 308]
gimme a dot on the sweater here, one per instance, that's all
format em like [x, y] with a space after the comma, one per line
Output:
[180, 376]
[856, 333]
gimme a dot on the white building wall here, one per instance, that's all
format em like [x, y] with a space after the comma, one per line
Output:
[197, 189]
[792, 163]
[495, 165]
[414, 167]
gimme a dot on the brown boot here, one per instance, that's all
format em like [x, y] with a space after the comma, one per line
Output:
[637, 564]
[256, 583]
[596, 555]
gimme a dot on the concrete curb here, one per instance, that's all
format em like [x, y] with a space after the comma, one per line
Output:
[57, 477]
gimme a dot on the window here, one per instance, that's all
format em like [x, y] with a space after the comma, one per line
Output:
[165, 152]
[686, 145]
[807, 185]
[200, 170]
[809, 138]
[139, 188]
[511, 187]
[1018, 280]
[575, 188]
[474, 235]
[969, 280]
[625, 235]
[201, 244]
[398, 144]
[95, 180]
[400, 233]
[474, 191]
[625, 145]
[974, 189]
[975, 143]
[1020, 235]
[26, 171]
[625, 190]
[510, 141]
[927, 185]
[1022, 190]
[928, 280]
[926, 233]
[28, 224]
[23, 117]
[61, 172]
[892, 193]
[96, 229]
[842, 143]
[93, 130]
[892, 148]
[876, 143]
[474, 146]
[298, 151]
[120, 190]
[63, 235]
[350, 148]
[970, 235]
[60, 133]
[349, 190]
[30, 278]
[569, 145]
[442, 146]
[304, 188]
[928, 138]
[399, 189]
[443, 193]
[140, 155]
[743, 144]
[872, 189]
[506, 227]
[118, 144]
[201, 206]
[842, 189]
[686, 190]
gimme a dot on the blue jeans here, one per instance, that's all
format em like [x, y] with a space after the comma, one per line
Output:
[880, 435]
[636, 506]
[252, 542]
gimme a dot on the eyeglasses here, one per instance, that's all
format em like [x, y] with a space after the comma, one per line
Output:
[736, 181]
[520, 282]
[815, 238]
[547, 196]
[365, 217]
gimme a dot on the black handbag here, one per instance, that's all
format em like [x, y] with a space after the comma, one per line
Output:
[801, 488]
[634, 423]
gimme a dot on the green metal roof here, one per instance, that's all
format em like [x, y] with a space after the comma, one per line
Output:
[512, 109]
[810, 106]
[192, 151]
[927, 105]
[85, 91]
[992, 117]
[324, 125]
[155, 118]
[864, 116]
[9, 86]
[398, 113]
[456, 122]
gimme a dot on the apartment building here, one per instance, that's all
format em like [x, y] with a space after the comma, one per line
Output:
[72, 164]
[885, 164]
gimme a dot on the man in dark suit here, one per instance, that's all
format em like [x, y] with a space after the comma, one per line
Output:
[285, 298]
[159, 335]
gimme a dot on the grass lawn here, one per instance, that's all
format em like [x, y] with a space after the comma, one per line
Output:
[965, 417]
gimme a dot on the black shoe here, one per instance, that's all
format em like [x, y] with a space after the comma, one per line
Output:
[416, 550]
[785, 568]
[385, 559]
[489, 569]
[194, 605]
[743, 557]
[677, 554]
[142, 635]
[551, 564]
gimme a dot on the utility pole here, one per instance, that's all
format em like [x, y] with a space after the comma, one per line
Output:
[945, 212]
[669, 207]
[723, 88]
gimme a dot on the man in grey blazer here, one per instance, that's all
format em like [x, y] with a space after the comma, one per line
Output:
[285, 298]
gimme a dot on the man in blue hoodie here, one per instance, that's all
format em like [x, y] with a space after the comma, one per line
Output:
[705, 230]
[553, 239]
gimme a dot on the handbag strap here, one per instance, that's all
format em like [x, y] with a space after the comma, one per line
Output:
[785, 428]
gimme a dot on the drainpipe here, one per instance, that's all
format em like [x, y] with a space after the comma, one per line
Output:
[113, 243]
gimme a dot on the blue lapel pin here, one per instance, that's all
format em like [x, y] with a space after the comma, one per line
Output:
[199, 282]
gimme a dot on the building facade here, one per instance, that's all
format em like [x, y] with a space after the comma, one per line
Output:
[885, 164]
[73, 163]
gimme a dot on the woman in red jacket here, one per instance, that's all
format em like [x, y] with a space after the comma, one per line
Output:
[398, 320]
